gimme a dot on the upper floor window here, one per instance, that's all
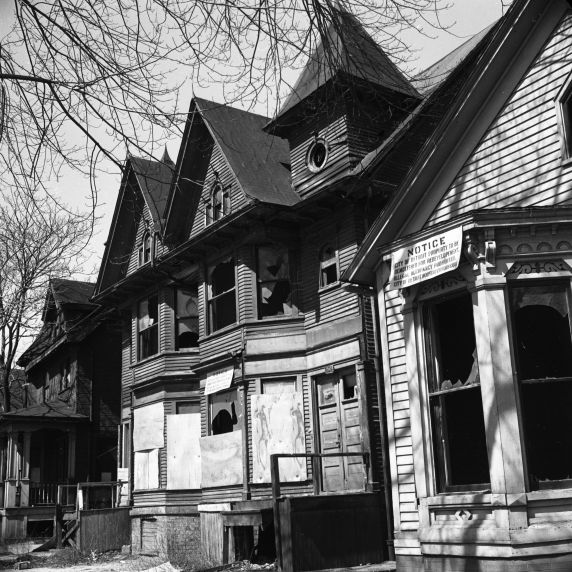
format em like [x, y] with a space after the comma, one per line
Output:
[186, 318]
[224, 412]
[148, 327]
[222, 295]
[328, 266]
[457, 418]
[219, 203]
[542, 342]
[273, 279]
[317, 154]
[145, 248]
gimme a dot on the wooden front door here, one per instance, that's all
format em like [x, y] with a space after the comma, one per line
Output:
[339, 431]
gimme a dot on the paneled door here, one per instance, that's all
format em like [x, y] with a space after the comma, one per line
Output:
[339, 431]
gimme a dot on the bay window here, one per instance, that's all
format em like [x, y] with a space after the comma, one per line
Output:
[455, 396]
[222, 295]
[148, 327]
[273, 281]
[542, 345]
[186, 318]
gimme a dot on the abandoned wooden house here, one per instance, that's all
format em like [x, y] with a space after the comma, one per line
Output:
[471, 262]
[239, 340]
[62, 428]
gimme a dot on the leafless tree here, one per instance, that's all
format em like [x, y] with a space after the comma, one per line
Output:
[38, 241]
[107, 73]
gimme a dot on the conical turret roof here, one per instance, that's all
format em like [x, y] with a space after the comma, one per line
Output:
[346, 48]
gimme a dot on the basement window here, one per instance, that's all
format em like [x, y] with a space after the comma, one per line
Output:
[148, 327]
[457, 419]
[273, 280]
[186, 318]
[543, 350]
[328, 266]
[223, 412]
[222, 295]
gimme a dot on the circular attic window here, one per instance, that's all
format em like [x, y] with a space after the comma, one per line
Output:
[317, 155]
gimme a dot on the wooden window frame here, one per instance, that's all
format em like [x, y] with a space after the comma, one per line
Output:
[154, 326]
[238, 426]
[328, 263]
[178, 319]
[145, 251]
[218, 205]
[260, 283]
[212, 299]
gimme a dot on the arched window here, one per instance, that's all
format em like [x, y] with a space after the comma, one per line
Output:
[145, 248]
[219, 203]
[328, 265]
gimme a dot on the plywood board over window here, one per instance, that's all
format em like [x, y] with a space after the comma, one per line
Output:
[146, 470]
[148, 427]
[183, 451]
[278, 427]
[221, 459]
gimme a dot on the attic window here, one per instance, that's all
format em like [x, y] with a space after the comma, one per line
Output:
[145, 249]
[564, 108]
[317, 155]
[219, 203]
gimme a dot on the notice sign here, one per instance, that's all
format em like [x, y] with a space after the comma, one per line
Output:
[219, 380]
[425, 259]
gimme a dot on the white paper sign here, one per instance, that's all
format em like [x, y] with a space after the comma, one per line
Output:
[219, 380]
[425, 259]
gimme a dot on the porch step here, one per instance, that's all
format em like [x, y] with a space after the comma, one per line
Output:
[387, 566]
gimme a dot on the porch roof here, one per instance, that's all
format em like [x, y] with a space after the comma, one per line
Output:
[56, 410]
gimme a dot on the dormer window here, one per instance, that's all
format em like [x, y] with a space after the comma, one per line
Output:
[328, 266]
[317, 155]
[219, 203]
[145, 249]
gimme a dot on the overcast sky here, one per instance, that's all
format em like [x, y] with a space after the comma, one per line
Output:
[464, 19]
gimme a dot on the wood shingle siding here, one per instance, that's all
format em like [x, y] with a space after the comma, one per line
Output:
[518, 163]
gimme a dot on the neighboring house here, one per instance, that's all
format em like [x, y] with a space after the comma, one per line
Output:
[63, 429]
[472, 263]
[241, 340]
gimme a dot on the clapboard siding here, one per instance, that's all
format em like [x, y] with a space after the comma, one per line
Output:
[400, 412]
[217, 166]
[163, 364]
[518, 162]
[334, 130]
[166, 320]
[220, 343]
[143, 223]
[245, 272]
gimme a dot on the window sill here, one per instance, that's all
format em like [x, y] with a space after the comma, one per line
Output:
[549, 494]
[145, 360]
[458, 498]
[220, 332]
[332, 286]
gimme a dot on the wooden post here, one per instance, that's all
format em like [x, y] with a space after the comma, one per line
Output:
[58, 522]
[275, 480]
[316, 474]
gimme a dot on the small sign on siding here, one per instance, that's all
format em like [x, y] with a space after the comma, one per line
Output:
[219, 380]
[425, 259]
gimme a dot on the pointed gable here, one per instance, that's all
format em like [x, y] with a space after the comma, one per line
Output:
[346, 48]
[226, 146]
[140, 207]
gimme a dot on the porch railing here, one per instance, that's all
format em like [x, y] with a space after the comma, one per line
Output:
[43, 493]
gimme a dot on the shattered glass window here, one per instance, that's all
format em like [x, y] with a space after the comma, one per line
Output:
[148, 327]
[222, 296]
[274, 290]
[328, 266]
[186, 318]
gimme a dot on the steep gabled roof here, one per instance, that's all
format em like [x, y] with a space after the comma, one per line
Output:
[154, 178]
[68, 291]
[259, 161]
[56, 410]
[526, 24]
[346, 48]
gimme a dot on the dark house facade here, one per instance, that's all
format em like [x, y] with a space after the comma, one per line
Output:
[63, 428]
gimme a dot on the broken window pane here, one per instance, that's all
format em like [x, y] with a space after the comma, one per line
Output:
[328, 266]
[147, 327]
[222, 298]
[543, 349]
[274, 291]
[455, 396]
[349, 384]
[186, 318]
[224, 412]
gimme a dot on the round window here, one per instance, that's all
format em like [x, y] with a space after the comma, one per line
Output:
[317, 155]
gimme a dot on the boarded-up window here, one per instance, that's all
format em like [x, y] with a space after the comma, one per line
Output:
[222, 295]
[183, 450]
[455, 396]
[186, 318]
[148, 427]
[543, 349]
[148, 326]
[274, 290]
[146, 474]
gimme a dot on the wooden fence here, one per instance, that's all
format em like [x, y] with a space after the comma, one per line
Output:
[103, 529]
